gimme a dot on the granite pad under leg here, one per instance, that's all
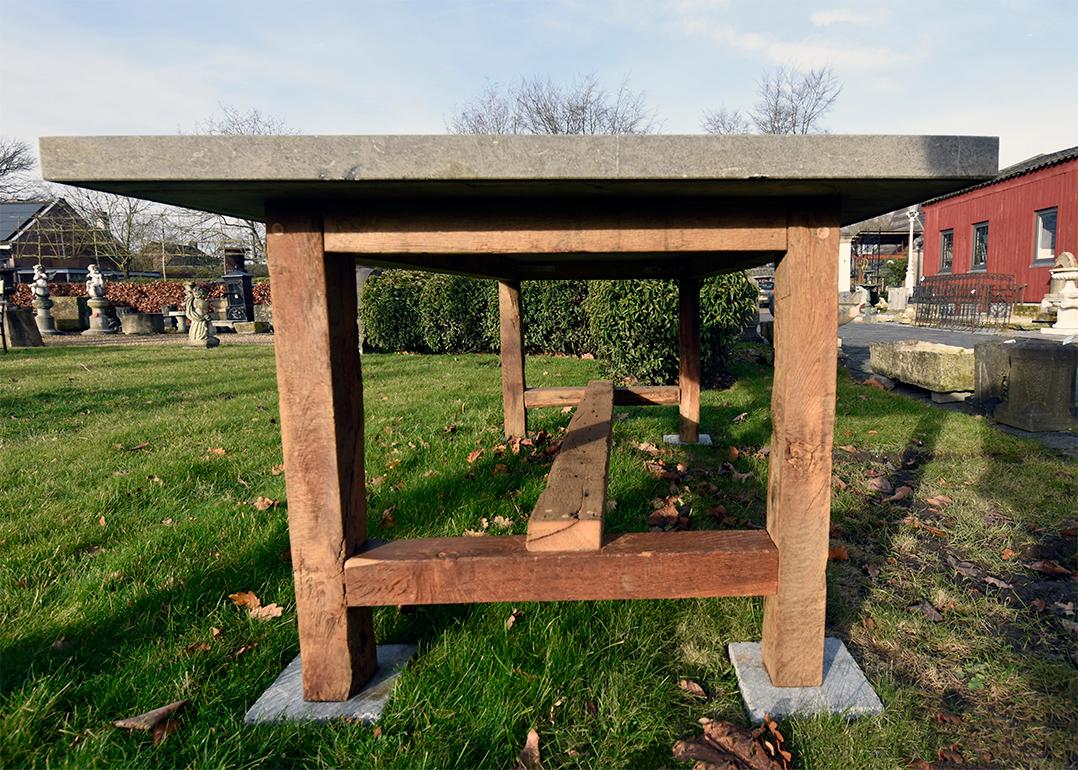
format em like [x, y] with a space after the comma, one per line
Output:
[283, 701]
[845, 690]
[703, 440]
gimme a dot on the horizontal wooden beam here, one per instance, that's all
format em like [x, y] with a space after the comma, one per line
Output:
[633, 395]
[647, 565]
[569, 513]
[534, 228]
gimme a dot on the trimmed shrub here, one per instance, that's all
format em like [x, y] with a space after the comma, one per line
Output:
[389, 311]
[634, 326]
[454, 312]
[555, 320]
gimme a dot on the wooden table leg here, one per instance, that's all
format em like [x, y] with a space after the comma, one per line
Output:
[512, 355]
[689, 358]
[803, 416]
[321, 402]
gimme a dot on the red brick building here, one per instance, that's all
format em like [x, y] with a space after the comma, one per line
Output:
[1014, 224]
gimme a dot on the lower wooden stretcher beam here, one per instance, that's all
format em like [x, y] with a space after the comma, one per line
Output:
[646, 565]
[636, 395]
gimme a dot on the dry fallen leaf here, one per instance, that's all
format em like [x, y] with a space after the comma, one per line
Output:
[512, 619]
[387, 520]
[939, 501]
[647, 447]
[692, 688]
[167, 522]
[264, 503]
[566, 409]
[218, 451]
[838, 552]
[993, 581]
[277, 469]
[740, 476]
[848, 448]
[881, 485]
[266, 613]
[155, 480]
[838, 483]
[1049, 567]
[1008, 554]
[101, 521]
[742, 417]
[474, 455]
[501, 468]
[245, 599]
[733, 453]
[873, 433]
[139, 447]
[901, 493]
[947, 718]
[529, 757]
[1040, 605]
[150, 719]
[928, 610]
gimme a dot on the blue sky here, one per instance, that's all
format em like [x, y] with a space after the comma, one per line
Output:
[996, 67]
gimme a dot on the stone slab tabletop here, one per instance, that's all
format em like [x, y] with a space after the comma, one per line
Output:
[236, 175]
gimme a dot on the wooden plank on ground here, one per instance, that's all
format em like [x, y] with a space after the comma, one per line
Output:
[639, 565]
[803, 416]
[515, 416]
[321, 402]
[634, 395]
[569, 514]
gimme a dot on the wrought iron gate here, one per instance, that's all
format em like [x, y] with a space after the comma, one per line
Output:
[966, 301]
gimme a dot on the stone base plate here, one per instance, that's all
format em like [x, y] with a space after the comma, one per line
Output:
[845, 690]
[675, 439]
[283, 701]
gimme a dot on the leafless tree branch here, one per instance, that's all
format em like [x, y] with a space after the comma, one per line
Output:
[16, 163]
[788, 102]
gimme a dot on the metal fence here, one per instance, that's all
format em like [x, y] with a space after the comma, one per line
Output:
[966, 301]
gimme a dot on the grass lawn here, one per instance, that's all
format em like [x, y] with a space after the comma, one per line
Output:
[122, 537]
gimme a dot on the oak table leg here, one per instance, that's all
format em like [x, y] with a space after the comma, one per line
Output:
[803, 415]
[689, 358]
[512, 357]
[321, 403]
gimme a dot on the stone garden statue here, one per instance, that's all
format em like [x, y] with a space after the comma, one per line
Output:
[103, 318]
[197, 308]
[95, 283]
[39, 287]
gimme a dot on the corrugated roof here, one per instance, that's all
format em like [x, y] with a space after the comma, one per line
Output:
[1027, 166]
[14, 214]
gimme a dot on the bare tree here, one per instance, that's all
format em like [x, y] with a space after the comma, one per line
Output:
[226, 231]
[16, 162]
[541, 106]
[129, 222]
[788, 102]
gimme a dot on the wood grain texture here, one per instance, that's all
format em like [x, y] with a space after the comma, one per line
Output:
[803, 415]
[689, 359]
[543, 227]
[660, 565]
[569, 513]
[321, 403]
[633, 395]
[515, 416]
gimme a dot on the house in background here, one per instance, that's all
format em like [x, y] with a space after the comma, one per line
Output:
[179, 260]
[1014, 224]
[54, 234]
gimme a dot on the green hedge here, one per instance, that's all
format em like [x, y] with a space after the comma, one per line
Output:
[634, 326]
[390, 311]
[630, 326]
[453, 311]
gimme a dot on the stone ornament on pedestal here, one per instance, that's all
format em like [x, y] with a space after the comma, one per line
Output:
[197, 308]
[102, 315]
[39, 286]
[1065, 271]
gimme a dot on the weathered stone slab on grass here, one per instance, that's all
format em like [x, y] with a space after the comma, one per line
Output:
[283, 701]
[20, 329]
[929, 365]
[845, 690]
[142, 323]
[704, 439]
[250, 327]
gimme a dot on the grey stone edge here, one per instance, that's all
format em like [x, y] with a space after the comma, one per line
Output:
[845, 690]
[283, 700]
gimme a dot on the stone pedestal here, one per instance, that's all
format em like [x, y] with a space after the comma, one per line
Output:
[70, 314]
[1067, 316]
[1040, 386]
[43, 315]
[102, 317]
[897, 298]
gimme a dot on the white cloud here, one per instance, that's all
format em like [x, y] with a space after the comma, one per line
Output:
[849, 16]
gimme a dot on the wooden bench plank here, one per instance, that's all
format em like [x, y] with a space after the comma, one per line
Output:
[639, 565]
[635, 395]
[569, 514]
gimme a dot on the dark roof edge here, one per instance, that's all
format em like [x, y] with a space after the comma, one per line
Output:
[1027, 166]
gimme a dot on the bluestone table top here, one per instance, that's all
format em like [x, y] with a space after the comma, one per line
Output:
[236, 175]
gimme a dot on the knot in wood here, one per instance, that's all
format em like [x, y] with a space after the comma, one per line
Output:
[803, 455]
[823, 232]
[277, 228]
